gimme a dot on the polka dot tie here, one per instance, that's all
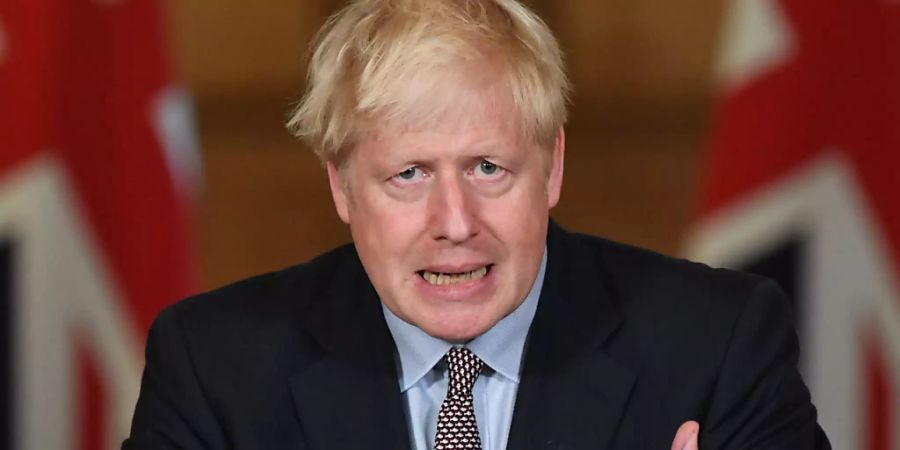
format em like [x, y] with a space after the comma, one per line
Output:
[456, 428]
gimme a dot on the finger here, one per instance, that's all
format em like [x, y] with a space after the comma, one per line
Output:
[692, 443]
[686, 438]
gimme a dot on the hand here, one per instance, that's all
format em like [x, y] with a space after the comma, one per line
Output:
[686, 436]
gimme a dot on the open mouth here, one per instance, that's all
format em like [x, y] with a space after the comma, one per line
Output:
[442, 279]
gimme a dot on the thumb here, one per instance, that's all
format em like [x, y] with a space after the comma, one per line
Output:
[686, 436]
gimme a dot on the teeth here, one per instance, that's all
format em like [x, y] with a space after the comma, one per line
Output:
[441, 279]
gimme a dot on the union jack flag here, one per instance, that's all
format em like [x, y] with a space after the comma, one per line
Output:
[802, 183]
[97, 171]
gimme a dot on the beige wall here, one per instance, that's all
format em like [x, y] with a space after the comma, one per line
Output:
[640, 69]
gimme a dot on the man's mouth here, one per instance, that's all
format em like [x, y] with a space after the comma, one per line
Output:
[441, 279]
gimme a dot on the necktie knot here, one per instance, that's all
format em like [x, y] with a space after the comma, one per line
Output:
[463, 367]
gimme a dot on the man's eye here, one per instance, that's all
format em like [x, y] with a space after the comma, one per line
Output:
[408, 174]
[488, 169]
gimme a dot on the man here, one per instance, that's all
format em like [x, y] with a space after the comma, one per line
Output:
[462, 317]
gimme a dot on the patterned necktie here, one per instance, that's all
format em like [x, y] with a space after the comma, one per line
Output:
[456, 428]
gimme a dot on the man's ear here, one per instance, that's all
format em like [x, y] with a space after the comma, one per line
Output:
[555, 177]
[338, 192]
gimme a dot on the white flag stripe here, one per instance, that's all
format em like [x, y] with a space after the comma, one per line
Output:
[847, 275]
[63, 292]
[173, 120]
[756, 38]
[43, 400]
[754, 226]
[887, 320]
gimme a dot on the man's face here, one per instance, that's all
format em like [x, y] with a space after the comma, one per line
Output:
[450, 224]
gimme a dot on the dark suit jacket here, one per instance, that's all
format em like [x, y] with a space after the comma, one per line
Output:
[625, 346]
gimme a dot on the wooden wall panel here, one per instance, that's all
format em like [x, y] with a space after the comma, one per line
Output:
[238, 49]
[636, 50]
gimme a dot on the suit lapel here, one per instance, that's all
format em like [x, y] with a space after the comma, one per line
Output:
[350, 398]
[572, 394]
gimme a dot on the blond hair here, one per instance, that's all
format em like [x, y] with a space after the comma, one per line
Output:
[378, 61]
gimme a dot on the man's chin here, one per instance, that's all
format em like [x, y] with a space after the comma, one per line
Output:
[460, 333]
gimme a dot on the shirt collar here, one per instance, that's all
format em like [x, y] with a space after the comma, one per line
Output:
[500, 347]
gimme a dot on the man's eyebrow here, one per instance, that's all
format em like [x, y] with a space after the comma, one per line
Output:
[414, 155]
[418, 154]
[399, 163]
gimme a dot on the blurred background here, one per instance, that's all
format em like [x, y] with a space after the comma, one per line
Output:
[144, 158]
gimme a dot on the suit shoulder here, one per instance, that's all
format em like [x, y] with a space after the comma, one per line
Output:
[643, 275]
[267, 297]
[669, 304]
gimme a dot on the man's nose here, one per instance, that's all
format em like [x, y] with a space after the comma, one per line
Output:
[452, 211]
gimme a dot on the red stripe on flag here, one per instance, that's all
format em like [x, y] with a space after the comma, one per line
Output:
[878, 395]
[91, 400]
[24, 73]
[112, 58]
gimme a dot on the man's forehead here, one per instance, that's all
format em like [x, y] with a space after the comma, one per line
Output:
[477, 137]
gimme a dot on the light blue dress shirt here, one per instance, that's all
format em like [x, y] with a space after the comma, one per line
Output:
[423, 373]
